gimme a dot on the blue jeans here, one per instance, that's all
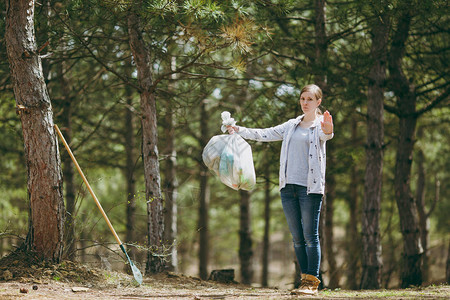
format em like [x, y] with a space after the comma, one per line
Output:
[302, 213]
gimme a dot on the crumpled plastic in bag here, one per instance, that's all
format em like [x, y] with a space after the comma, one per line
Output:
[230, 157]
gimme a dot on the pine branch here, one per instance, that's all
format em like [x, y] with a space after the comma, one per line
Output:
[434, 88]
[397, 77]
[202, 76]
[294, 58]
[178, 70]
[347, 32]
[97, 126]
[391, 109]
[101, 62]
[441, 98]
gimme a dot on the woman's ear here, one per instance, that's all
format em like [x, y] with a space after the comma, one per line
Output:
[319, 102]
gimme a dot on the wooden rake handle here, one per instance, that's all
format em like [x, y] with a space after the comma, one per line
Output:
[87, 184]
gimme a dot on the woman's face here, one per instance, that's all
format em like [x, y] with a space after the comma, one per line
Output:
[309, 103]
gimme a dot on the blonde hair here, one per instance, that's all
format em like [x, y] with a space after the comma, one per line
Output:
[316, 91]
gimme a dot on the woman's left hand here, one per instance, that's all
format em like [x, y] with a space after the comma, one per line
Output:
[327, 124]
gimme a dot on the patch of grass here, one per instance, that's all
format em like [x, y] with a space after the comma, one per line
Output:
[434, 292]
[110, 277]
[390, 293]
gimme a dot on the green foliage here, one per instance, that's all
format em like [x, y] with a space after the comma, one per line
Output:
[204, 9]
[162, 7]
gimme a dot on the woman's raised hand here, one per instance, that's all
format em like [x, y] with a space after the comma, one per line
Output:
[232, 129]
[327, 124]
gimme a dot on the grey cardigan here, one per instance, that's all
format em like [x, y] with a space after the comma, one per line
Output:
[317, 151]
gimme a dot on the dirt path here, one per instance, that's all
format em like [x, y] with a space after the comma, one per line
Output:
[23, 276]
[119, 286]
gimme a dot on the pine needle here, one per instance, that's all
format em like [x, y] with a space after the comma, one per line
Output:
[239, 34]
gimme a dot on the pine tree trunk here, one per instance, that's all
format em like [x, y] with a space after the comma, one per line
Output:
[203, 254]
[321, 44]
[390, 264]
[45, 192]
[245, 239]
[320, 76]
[170, 187]
[353, 238]
[333, 270]
[412, 256]
[447, 269]
[130, 144]
[68, 171]
[371, 238]
[2, 246]
[424, 222]
[266, 239]
[45, 32]
[155, 223]
[82, 252]
[406, 104]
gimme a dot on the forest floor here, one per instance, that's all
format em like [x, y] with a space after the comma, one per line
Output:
[27, 278]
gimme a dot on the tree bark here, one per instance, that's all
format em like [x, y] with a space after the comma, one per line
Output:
[245, 239]
[45, 192]
[155, 223]
[321, 44]
[68, 171]
[266, 239]
[320, 77]
[170, 183]
[45, 32]
[353, 237]
[412, 265]
[371, 239]
[328, 228]
[130, 144]
[424, 222]
[203, 254]
[447, 269]
[406, 104]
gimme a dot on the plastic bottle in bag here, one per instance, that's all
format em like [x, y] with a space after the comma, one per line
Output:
[230, 158]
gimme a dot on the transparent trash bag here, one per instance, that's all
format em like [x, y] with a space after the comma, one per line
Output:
[230, 157]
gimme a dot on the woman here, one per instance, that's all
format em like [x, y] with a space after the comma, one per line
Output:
[302, 177]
